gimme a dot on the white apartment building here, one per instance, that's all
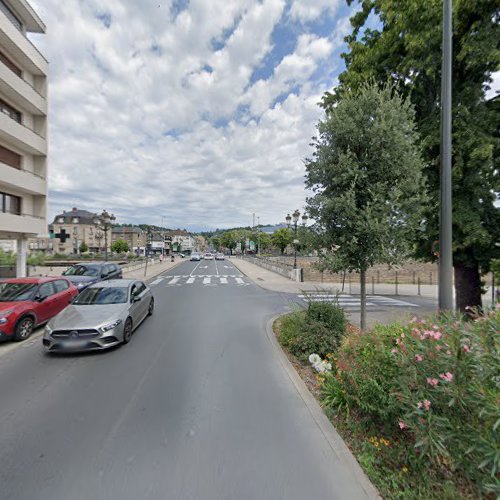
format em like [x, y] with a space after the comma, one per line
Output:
[23, 128]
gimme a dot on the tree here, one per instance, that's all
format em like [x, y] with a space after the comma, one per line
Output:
[282, 238]
[215, 242]
[406, 50]
[366, 173]
[119, 246]
[264, 240]
[227, 240]
[83, 247]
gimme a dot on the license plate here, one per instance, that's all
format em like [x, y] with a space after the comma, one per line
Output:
[75, 344]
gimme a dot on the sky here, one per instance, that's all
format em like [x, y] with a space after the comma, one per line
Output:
[190, 114]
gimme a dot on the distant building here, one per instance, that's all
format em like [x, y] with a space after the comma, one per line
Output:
[182, 241]
[133, 235]
[80, 227]
[23, 129]
[270, 230]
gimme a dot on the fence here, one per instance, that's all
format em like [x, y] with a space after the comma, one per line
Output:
[270, 264]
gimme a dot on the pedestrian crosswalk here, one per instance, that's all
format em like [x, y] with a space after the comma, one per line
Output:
[200, 279]
[354, 301]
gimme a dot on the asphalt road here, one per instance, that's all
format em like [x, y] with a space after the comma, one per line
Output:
[196, 407]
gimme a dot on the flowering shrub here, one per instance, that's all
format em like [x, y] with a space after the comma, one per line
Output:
[320, 365]
[433, 385]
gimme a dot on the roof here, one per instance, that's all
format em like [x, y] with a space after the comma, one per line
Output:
[84, 216]
[126, 229]
[178, 232]
[272, 229]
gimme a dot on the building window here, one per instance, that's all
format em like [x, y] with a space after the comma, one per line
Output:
[10, 158]
[75, 220]
[10, 14]
[60, 220]
[10, 111]
[10, 65]
[10, 204]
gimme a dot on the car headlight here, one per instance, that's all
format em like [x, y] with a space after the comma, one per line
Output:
[110, 326]
[3, 316]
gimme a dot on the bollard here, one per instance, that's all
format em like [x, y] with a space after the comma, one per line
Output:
[430, 278]
[397, 283]
[419, 284]
[373, 285]
[350, 284]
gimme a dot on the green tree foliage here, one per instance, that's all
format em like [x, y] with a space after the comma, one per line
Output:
[215, 242]
[282, 238]
[228, 240]
[406, 50]
[264, 240]
[119, 246]
[366, 176]
[83, 247]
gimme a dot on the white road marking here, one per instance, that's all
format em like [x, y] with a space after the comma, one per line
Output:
[206, 280]
[195, 267]
[216, 268]
[174, 281]
[190, 280]
[239, 281]
[355, 301]
[223, 281]
[155, 282]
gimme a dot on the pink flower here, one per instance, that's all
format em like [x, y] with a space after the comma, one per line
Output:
[419, 405]
[402, 425]
[436, 335]
[427, 404]
[448, 377]
[414, 319]
[432, 381]
[422, 321]
[397, 341]
[466, 348]
[394, 351]
[438, 347]
[416, 331]
[419, 357]
[403, 335]
[448, 352]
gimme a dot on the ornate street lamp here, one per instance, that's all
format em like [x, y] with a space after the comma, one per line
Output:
[104, 222]
[295, 217]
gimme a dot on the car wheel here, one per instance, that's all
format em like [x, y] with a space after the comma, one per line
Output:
[151, 307]
[127, 331]
[24, 328]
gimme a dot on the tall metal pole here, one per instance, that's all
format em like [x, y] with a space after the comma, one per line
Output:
[445, 222]
[106, 243]
[295, 246]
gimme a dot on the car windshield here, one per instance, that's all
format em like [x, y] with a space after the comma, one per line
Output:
[82, 271]
[13, 292]
[102, 296]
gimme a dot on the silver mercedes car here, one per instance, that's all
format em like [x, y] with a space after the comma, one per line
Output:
[103, 315]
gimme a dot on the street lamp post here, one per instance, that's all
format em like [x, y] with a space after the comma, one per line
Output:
[103, 222]
[295, 216]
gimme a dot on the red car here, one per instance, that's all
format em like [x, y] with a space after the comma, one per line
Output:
[28, 302]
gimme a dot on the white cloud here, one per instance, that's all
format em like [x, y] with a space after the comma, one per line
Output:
[155, 112]
[308, 10]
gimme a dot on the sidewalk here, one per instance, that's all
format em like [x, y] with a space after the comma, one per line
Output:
[152, 271]
[277, 283]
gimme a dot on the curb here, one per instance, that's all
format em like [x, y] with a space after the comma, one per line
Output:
[338, 446]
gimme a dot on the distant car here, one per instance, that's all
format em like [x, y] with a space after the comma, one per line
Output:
[103, 315]
[26, 303]
[219, 256]
[208, 256]
[195, 257]
[181, 255]
[83, 275]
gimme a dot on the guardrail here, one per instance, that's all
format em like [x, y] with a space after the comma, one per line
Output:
[282, 268]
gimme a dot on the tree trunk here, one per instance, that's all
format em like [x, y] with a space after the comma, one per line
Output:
[362, 282]
[467, 286]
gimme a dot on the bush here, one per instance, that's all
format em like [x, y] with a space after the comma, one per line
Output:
[434, 387]
[316, 330]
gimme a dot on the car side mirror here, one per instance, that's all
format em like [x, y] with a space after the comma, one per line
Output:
[103, 275]
[136, 298]
[39, 298]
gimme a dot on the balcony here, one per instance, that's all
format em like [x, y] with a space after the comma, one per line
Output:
[14, 225]
[21, 48]
[22, 180]
[21, 137]
[21, 92]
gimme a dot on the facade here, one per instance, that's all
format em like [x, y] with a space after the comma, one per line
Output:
[80, 227]
[23, 128]
[182, 241]
[133, 235]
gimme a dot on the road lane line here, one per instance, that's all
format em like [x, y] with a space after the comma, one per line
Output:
[155, 282]
[223, 281]
[239, 281]
[206, 280]
[190, 281]
[195, 267]
[216, 268]
[174, 281]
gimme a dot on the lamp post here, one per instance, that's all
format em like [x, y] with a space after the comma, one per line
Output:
[295, 217]
[103, 222]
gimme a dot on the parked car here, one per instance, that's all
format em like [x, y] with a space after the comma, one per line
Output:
[103, 315]
[195, 257]
[208, 256]
[219, 256]
[83, 275]
[26, 303]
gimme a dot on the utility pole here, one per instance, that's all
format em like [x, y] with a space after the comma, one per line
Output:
[445, 219]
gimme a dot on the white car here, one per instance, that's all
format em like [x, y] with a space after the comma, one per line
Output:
[208, 256]
[195, 257]
[219, 256]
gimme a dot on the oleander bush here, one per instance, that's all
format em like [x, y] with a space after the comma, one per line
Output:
[432, 387]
